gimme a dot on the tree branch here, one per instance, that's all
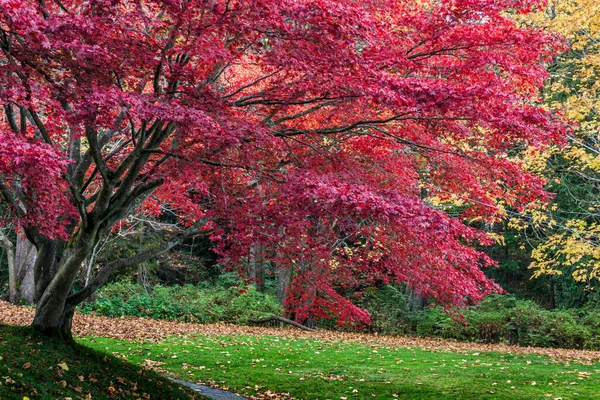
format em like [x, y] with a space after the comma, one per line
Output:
[105, 271]
[274, 317]
[40, 126]
[10, 199]
[10, 116]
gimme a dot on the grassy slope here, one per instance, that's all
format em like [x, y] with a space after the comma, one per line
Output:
[36, 367]
[316, 369]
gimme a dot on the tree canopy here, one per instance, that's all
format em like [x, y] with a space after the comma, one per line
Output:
[310, 129]
[568, 229]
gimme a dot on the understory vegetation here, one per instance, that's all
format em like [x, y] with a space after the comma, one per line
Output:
[508, 320]
[498, 319]
[187, 303]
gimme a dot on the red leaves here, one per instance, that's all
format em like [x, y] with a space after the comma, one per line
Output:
[35, 171]
[314, 128]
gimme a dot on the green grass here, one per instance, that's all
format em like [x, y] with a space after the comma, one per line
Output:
[315, 369]
[40, 368]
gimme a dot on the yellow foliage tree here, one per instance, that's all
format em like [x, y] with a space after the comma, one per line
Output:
[569, 229]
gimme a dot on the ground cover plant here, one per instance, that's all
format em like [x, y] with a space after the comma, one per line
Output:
[36, 367]
[322, 369]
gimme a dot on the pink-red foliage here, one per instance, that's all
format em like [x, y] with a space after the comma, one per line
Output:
[310, 128]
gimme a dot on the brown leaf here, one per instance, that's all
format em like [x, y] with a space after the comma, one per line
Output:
[154, 330]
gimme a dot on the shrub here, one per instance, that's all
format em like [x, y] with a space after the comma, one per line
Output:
[183, 303]
[498, 319]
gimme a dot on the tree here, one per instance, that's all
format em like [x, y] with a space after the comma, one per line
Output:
[568, 249]
[308, 128]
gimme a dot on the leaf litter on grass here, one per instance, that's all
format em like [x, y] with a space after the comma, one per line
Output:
[130, 328]
[152, 333]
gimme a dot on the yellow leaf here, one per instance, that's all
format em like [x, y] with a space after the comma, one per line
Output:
[64, 366]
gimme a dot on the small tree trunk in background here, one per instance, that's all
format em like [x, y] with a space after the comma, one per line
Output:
[284, 280]
[12, 273]
[418, 302]
[141, 276]
[90, 263]
[142, 273]
[414, 300]
[552, 294]
[257, 267]
[25, 256]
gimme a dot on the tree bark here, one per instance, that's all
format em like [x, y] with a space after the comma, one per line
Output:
[25, 256]
[281, 319]
[414, 300]
[257, 267]
[552, 294]
[12, 272]
[141, 278]
[54, 280]
[284, 280]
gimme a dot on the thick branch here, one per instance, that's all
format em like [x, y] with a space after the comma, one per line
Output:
[10, 199]
[96, 151]
[79, 200]
[255, 82]
[280, 319]
[10, 116]
[340, 129]
[105, 271]
[40, 126]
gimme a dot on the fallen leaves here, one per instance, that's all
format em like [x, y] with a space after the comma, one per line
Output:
[156, 330]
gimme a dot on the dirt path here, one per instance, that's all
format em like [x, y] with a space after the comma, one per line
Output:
[155, 330]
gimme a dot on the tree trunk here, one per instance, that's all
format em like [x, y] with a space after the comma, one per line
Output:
[257, 267]
[54, 280]
[414, 300]
[12, 273]
[55, 303]
[25, 256]
[284, 281]
[142, 272]
[55, 324]
[552, 294]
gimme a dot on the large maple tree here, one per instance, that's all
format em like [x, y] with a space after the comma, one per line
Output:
[309, 129]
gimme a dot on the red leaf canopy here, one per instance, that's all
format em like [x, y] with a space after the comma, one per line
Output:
[309, 128]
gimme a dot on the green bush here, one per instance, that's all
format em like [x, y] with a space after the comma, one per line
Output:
[498, 319]
[183, 303]
[503, 319]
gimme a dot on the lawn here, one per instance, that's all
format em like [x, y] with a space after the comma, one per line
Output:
[33, 367]
[321, 369]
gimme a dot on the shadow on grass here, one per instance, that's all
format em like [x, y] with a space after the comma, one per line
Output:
[35, 366]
